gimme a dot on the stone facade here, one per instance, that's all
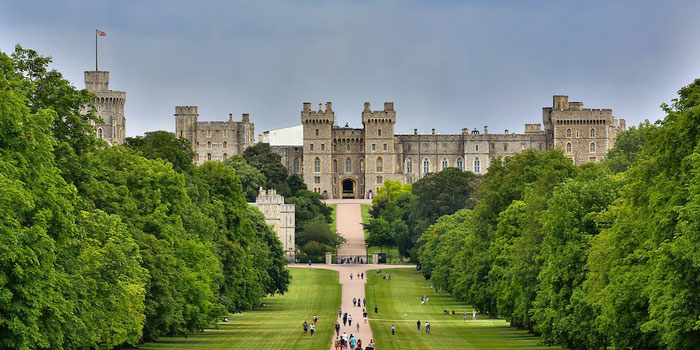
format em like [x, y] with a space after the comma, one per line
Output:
[109, 105]
[346, 162]
[279, 216]
[215, 140]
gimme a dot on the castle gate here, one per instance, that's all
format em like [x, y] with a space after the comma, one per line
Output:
[348, 188]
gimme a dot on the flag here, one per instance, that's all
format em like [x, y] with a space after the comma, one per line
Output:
[100, 33]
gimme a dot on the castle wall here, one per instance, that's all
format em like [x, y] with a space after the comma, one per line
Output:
[109, 106]
[280, 217]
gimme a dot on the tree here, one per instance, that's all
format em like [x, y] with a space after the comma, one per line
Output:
[628, 145]
[164, 145]
[270, 165]
[251, 178]
[382, 235]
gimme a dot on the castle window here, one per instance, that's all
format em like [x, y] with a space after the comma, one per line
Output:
[335, 165]
[323, 147]
[335, 181]
[444, 163]
[208, 144]
[592, 132]
[225, 156]
[295, 165]
[225, 133]
[311, 147]
[409, 165]
[385, 146]
[317, 165]
[347, 148]
[317, 179]
[348, 165]
[225, 144]
[409, 179]
[476, 148]
[477, 165]
[568, 147]
[208, 156]
[379, 132]
[380, 165]
[577, 135]
[362, 165]
[208, 133]
[505, 147]
[568, 132]
[460, 164]
[316, 132]
[374, 147]
[426, 166]
[99, 133]
[380, 180]
[592, 147]
[493, 147]
[408, 148]
[180, 133]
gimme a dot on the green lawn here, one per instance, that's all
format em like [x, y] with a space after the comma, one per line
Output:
[278, 324]
[333, 217]
[365, 214]
[403, 294]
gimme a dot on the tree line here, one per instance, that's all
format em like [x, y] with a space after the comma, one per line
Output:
[591, 256]
[105, 246]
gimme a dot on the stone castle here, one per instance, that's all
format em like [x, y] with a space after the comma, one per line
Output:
[343, 162]
[110, 107]
[280, 216]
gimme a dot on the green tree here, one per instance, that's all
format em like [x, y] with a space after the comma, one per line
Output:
[251, 178]
[269, 163]
[382, 234]
[628, 145]
[164, 145]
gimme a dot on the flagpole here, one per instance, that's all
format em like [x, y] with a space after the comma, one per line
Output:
[96, 50]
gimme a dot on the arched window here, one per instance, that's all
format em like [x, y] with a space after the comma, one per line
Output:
[362, 165]
[460, 164]
[348, 165]
[444, 163]
[379, 132]
[99, 133]
[225, 145]
[295, 165]
[568, 147]
[380, 164]
[477, 165]
[347, 147]
[225, 156]
[208, 156]
[505, 147]
[335, 165]
[208, 144]
[568, 132]
[592, 147]
[426, 166]
[317, 165]
[409, 165]
[476, 148]
[592, 132]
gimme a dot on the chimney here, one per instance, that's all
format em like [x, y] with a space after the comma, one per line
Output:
[230, 117]
[245, 117]
[433, 132]
[307, 107]
[367, 106]
[486, 129]
[320, 107]
[415, 131]
[328, 106]
[506, 131]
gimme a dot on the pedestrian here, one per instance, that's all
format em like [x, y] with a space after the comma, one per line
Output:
[427, 327]
[309, 262]
[313, 329]
[364, 315]
[315, 319]
[405, 315]
[473, 314]
[464, 315]
[354, 301]
[357, 325]
[351, 277]
[353, 341]
[359, 344]
[337, 343]
[393, 330]
[344, 339]
[371, 344]
[340, 312]
[362, 275]
[350, 320]
[358, 302]
[364, 302]
[345, 319]
[337, 329]
[306, 327]
[418, 326]
[376, 310]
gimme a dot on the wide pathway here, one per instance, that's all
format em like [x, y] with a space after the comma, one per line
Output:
[349, 225]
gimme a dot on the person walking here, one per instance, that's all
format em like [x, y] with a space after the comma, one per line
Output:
[364, 315]
[359, 344]
[354, 301]
[362, 275]
[351, 277]
[337, 343]
[418, 326]
[393, 330]
[427, 327]
[371, 344]
[344, 340]
[337, 329]
[357, 325]
[473, 314]
[313, 329]
[364, 302]
[345, 319]
[315, 319]
[359, 304]
[353, 341]
[376, 310]
[340, 312]
[306, 327]
[464, 315]
[309, 262]
[350, 320]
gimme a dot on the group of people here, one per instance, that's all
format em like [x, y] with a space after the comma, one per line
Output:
[310, 327]
[356, 302]
[352, 260]
[360, 275]
[344, 341]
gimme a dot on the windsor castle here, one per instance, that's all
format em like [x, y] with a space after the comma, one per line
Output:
[344, 162]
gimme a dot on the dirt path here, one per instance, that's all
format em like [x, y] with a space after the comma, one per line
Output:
[349, 220]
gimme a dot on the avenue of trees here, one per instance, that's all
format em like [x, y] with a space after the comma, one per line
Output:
[588, 256]
[104, 246]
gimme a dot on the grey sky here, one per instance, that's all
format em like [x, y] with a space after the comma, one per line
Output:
[445, 64]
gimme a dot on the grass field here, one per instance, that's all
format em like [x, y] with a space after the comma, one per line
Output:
[279, 324]
[403, 294]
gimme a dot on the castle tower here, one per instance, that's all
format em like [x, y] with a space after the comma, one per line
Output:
[186, 123]
[318, 127]
[109, 105]
[380, 155]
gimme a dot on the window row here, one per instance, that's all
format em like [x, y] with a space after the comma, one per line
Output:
[591, 133]
[591, 147]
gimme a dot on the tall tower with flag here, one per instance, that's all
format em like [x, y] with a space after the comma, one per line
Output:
[109, 103]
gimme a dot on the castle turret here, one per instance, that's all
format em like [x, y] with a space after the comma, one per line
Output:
[318, 139]
[109, 106]
[380, 155]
